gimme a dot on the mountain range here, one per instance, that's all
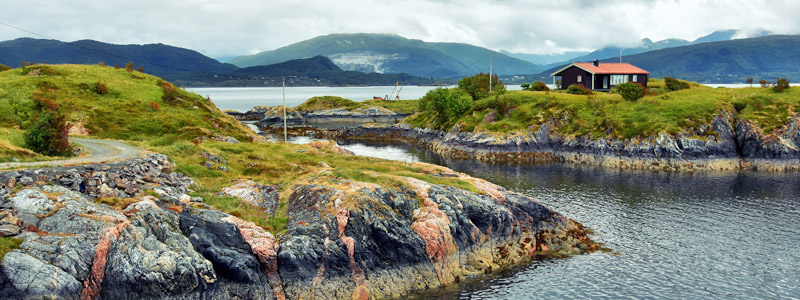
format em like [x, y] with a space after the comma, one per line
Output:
[387, 53]
[188, 67]
[380, 59]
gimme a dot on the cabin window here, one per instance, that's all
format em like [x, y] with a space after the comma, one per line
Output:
[618, 79]
[579, 78]
[635, 79]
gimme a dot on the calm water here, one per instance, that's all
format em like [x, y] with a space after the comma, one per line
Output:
[675, 236]
[730, 236]
[243, 99]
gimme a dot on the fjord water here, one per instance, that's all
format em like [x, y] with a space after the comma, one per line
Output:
[672, 236]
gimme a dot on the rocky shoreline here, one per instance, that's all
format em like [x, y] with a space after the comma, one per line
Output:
[727, 144]
[129, 230]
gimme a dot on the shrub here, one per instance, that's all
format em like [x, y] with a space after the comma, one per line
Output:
[449, 104]
[739, 105]
[141, 70]
[525, 86]
[630, 91]
[48, 135]
[477, 86]
[540, 87]
[675, 84]
[781, 85]
[154, 105]
[100, 88]
[101, 64]
[749, 81]
[129, 67]
[4, 68]
[763, 83]
[578, 89]
[170, 91]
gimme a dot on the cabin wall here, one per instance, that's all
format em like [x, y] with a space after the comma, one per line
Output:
[570, 76]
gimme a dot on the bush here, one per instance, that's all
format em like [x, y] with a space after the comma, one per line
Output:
[674, 84]
[630, 91]
[4, 68]
[48, 135]
[100, 88]
[129, 67]
[539, 87]
[578, 89]
[449, 104]
[170, 91]
[781, 85]
[477, 86]
[763, 83]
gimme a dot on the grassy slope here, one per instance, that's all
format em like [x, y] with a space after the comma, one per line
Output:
[126, 112]
[331, 102]
[608, 115]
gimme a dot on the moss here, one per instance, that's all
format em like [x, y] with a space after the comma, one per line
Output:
[7, 244]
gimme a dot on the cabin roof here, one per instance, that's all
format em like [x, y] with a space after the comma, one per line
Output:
[606, 68]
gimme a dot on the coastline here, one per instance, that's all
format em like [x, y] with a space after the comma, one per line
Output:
[727, 144]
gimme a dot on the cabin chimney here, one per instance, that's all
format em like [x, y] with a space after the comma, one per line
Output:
[596, 63]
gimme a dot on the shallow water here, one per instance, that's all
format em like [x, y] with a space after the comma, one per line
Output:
[674, 236]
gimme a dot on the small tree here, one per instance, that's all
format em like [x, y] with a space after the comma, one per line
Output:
[129, 67]
[763, 83]
[477, 85]
[141, 70]
[630, 91]
[48, 135]
[781, 85]
[448, 104]
[102, 64]
[525, 86]
[750, 81]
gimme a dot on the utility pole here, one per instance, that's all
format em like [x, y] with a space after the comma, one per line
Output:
[283, 83]
[490, 73]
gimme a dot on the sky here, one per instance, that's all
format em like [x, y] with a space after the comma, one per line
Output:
[238, 27]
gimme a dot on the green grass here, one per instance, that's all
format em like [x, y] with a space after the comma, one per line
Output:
[333, 102]
[7, 244]
[608, 115]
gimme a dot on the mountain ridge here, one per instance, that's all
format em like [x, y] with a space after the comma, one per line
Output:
[382, 53]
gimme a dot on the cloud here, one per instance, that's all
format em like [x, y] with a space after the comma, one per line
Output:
[235, 27]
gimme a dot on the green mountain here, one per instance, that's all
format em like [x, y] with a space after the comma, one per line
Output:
[186, 67]
[320, 70]
[769, 57]
[384, 53]
[161, 60]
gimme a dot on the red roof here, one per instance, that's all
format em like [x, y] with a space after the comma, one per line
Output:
[611, 68]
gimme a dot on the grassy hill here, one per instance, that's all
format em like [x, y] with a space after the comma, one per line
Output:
[608, 115]
[153, 114]
[393, 54]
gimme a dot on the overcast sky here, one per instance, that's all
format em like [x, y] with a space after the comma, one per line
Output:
[234, 27]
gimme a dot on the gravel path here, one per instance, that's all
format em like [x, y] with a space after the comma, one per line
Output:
[100, 151]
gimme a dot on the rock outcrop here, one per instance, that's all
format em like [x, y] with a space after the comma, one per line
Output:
[344, 239]
[330, 118]
[725, 144]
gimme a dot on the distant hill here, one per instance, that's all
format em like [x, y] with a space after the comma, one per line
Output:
[384, 53]
[187, 67]
[768, 57]
[162, 60]
[646, 45]
[320, 70]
